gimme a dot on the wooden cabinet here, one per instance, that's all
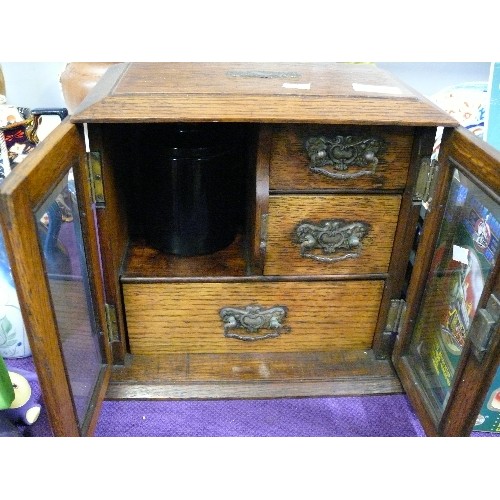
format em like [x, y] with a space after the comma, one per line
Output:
[336, 203]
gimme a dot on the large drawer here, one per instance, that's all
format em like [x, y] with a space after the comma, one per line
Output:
[330, 234]
[184, 317]
[308, 157]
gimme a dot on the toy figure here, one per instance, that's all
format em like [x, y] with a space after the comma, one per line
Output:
[23, 409]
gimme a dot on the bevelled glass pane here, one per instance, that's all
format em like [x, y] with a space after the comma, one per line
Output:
[464, 257]
[60, 238]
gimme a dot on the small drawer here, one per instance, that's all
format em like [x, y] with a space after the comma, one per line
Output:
[310, 157]
[229, 317]
[330, 234]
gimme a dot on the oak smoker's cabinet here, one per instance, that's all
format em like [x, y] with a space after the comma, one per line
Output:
[199, 230]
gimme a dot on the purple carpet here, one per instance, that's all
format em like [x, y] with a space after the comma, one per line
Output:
[366, 416]
[304, 417]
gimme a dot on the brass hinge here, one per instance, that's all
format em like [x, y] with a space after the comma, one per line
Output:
[112, 323]
[95, 178]
[395, 316]
[483, 326]
[264, 219]
[393, 326]
[426, 182]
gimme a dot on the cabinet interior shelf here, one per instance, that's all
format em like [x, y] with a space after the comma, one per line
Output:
[144, 261]
[253, 375]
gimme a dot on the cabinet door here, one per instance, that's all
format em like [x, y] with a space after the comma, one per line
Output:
[449, 347]
[50, 236]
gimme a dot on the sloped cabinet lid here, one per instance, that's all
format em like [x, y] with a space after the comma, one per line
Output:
[256, 92]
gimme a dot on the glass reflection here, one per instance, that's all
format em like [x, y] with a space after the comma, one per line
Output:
[464, 258]
[60, 238]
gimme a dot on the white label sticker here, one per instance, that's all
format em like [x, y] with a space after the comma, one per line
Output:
[302, 86]
[461, 254]
[380, 89]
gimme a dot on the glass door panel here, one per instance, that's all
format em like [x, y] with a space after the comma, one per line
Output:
[61, 242]
[464, 258]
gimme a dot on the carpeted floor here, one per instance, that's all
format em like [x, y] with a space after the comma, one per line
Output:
[367, 416]
[305, 417]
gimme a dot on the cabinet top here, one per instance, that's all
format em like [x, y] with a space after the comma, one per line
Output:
[332, 93]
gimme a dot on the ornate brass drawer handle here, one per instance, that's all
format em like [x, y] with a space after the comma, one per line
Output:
[332, 157]
[253, 319]
[330, 236]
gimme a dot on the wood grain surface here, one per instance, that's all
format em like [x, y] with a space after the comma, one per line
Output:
[479, 158]
[144, 261]
[256, 92]
[289, 169]
[184, 317]
[285, 212]
[254, 375]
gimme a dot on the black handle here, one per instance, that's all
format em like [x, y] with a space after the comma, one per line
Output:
[61, 112]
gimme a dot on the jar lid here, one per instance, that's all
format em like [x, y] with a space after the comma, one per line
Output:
[199, 141]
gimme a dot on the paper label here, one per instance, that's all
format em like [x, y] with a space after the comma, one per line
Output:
[461, 254]
[301, 86]
[380, 89]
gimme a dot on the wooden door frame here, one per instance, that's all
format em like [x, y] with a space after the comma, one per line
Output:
[472, 378]
[23, 192]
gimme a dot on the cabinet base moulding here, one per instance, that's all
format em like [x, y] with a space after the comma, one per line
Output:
[270, 375]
